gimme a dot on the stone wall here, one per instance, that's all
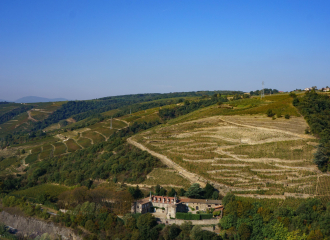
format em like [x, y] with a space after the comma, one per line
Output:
[33, 227]
[194, 222]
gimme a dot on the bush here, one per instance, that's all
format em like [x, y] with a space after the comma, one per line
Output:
[206, 216]
[270, 113]
[287, 116]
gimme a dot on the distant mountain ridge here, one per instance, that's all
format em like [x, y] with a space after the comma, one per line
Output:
[34, 99]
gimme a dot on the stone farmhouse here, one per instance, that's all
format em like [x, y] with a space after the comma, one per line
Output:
[167, 207]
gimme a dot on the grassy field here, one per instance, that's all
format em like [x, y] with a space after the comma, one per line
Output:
[8, 162]
[60, 148]
[85, 142]
[45, 154]
[36, 150]
[96, 137]
[72, 145]
[166, 177]
[48, 189]
[31, 158]
[241, 149]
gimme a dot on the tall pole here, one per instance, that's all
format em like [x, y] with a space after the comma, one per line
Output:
[111, 123]
[263, 90]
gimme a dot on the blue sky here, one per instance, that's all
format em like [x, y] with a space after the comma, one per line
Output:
[90, 49]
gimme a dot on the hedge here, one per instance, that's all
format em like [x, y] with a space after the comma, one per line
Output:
[189, 216]
[206, 216]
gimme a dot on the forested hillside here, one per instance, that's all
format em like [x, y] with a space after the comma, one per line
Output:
[227, 140]
[316, 110]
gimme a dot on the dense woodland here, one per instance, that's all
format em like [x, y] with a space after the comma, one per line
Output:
[253, 220]
[316, 110]
[14, 112]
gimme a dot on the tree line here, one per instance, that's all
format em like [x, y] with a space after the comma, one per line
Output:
[14, 112]
[316, 110]
[187, 107]
[253, 220]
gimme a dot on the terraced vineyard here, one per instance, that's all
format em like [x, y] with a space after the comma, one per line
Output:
[251, 155]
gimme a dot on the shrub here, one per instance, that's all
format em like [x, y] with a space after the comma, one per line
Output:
[206, 216]
[270, 113]
[287, 116]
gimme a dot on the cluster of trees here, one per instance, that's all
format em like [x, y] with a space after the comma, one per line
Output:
[316, 110]
[28, 208]
[21, 137]
[238, 96]
[14, 112]
[83, 109]
[266, 91]
[103, 223]
[187, 107]
[155, 96]
[194, 191]
[245, 220]
[119, 161]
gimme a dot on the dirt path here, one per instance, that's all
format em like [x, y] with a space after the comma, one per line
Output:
[105, 137]
[78, 143]
[269, 129]
[122, 121]
[193, 178]
[31, 118]
[141, 185]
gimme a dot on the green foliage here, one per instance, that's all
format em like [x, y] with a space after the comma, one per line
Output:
[14, 112]
[169, 113]
[316, 109]
[135, 192]
[270, 113]
[230, 197]
[195, 191]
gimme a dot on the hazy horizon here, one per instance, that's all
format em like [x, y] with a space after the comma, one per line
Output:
[86, 50]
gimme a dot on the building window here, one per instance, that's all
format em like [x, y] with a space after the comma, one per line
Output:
[209, 205]
[197, 208]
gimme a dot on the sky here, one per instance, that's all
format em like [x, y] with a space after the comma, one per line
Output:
[92, 49]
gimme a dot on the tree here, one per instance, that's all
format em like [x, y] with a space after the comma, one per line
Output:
[135, 192]
[162, 192]
[157, 190]
[207, 235]
[195, 231]
[209, 189]
[174, 231]
[244, 231]
[182, 192]
[195, 191]
[90, 226]
[172, 193]
[270, 113]
[230, 197]
[146, 220]
[215, 195]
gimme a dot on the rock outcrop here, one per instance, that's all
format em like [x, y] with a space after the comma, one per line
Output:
[34, 227]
